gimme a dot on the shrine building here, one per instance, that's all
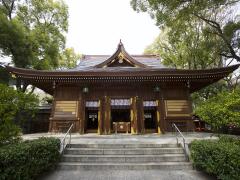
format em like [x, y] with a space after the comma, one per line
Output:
[121, 93]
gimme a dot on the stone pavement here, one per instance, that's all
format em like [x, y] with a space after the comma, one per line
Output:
[125, 174]
[92, 138]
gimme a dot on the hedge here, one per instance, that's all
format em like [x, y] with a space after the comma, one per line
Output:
[27, 160]
[220, 158]
[222, 110]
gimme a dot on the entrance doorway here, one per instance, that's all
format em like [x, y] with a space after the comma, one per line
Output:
[121, 120]
[150, 117]
[92, 120]
[120, 116]
[91, 112]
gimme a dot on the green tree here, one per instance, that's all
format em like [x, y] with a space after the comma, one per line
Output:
[220, 20]
[190, 51]
[47, 21]
[193, 50]
[12, 104]
[69, 58]
[221, 110]
[196, 35]
[209, 92]
[33, 32]
[16, 42]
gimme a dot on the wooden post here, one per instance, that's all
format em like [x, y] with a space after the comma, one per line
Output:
[158, 102]
[134, 117]
[101, 116]
[81, 114]
[140, 115]
[107, 115]
[162, 115]
[77, 122]
[190, 124]
[52, 126]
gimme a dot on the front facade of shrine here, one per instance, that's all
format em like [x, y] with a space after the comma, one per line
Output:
[121, 93]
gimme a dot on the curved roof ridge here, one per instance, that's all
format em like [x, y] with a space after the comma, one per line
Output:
[120, 50]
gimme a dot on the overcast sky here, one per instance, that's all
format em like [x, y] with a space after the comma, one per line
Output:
[96, 26]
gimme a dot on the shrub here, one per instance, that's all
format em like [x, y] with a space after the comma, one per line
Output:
[218, 157]
[27, 160]
[12, 103]
[221, 110]
[9, 132]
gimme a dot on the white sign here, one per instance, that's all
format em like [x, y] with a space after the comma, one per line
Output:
[120, 102]
[91, 103]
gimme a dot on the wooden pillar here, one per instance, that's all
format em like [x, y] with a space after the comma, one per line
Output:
[140, 115]
[52, 126]
[133, 111]
[137, 115]
[77, 122]
[107, 115]
[159, 115]
[190, 124]
[81, 114]
[101, 116]
[163, 122]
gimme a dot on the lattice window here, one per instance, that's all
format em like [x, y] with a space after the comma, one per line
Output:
[177, 108]
[66, 109]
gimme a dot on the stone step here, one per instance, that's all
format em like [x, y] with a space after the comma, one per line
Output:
[124, 158]
[125, 166]
[121, 146]
[137, 151]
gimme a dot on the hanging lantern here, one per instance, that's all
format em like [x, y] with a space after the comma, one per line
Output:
[85, 90]
[157, 89]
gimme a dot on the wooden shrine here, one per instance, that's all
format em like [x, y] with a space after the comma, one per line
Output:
[121, 93]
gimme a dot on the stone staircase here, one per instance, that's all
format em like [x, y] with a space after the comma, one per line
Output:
[124, 157]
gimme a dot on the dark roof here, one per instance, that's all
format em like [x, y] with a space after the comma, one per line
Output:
[101, 62]
[109, 69]
[197, 79]
[90, 61]
[129, 71]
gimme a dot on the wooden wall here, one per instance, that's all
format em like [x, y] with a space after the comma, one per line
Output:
[177, 107]
[173, 105]
[65, 110]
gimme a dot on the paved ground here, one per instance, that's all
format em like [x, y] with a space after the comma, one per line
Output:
[130, 174]
[127, 175]
[124, 138]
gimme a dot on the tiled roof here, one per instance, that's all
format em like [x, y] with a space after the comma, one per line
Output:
[90, 61]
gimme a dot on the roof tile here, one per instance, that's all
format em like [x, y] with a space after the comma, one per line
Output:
[89, 61]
